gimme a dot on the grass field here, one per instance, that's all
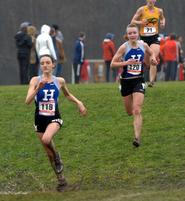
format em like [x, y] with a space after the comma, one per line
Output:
[97, 150]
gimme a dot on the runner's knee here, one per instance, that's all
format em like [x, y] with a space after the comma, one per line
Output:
[45, 140]
[136, 110]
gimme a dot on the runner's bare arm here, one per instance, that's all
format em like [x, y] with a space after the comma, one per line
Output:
[72, 98]
[137, 17]
[34, 87]
[162, 19]
[117, 59]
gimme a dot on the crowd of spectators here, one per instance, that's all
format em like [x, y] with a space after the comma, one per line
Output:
[171, 65]
[32, 43]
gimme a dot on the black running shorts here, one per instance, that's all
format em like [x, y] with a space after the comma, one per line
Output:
[151, 39]
[41, 122]
[130, 86]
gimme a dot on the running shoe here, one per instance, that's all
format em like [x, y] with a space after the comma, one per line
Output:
[136, 142]
[62, 184]
[150, 84]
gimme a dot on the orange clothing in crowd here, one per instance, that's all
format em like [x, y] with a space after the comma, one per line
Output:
[169, 50]
[109, 49]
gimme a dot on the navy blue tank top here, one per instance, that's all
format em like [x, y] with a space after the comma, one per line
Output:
[46, 100]
[135, 70]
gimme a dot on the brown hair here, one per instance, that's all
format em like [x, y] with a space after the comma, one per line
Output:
[81, 34]
[31, 30]
[132, 26]
[47, 55]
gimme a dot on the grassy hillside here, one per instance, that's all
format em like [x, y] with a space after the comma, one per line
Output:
[97, 150]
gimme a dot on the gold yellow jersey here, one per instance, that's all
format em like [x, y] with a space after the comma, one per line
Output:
[152, 26]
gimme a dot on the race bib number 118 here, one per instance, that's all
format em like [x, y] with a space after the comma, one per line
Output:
[47, 108]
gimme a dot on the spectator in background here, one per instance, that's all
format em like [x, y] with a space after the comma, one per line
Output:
[170, 55]
[109, 49]
[180, 50]
[180, 73]
[78, 57]
[44, 42]
[161, 64]
[33, 70]
[59, 49]
[59, 34]
[23, 43]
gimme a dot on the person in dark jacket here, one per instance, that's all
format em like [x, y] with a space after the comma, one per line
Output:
[78, 58]
[23, 43]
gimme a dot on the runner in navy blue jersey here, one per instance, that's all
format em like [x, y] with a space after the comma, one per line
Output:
[45, 90]
[130, 56]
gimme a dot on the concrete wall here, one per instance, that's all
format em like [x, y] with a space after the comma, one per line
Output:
[95, 17]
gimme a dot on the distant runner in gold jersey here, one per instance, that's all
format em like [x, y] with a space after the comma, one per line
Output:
[150, 18]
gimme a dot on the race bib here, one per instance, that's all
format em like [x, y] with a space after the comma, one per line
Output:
[149, 30]
[134, 69]
[47, 108]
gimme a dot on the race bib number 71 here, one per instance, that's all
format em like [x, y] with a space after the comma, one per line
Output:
[149, 30]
